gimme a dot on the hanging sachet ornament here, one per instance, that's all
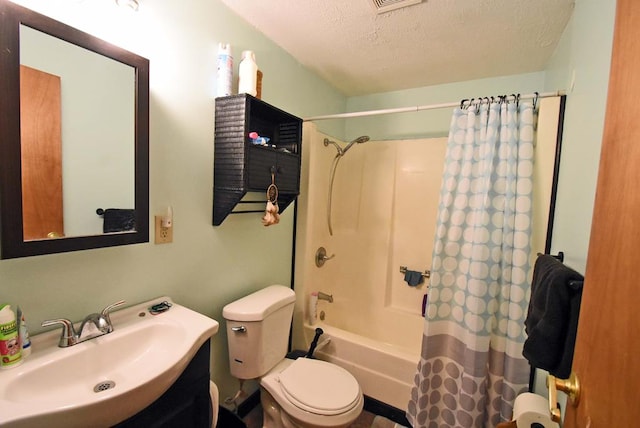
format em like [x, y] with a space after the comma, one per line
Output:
[271, 215]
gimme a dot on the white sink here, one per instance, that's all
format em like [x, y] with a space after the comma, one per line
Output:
[130, 368]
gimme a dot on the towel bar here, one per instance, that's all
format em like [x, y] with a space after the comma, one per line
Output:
[425, 274]
[559, 256]
[575, 284]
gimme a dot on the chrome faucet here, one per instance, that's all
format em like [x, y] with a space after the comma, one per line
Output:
[101, 322]
[325, 296]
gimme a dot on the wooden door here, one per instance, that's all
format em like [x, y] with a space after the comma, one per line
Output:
[41, 146]
[607, 356]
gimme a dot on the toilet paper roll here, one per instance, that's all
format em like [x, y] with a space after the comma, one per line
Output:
[531, 409]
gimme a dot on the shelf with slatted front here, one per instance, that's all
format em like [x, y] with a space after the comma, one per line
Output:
[244, 168]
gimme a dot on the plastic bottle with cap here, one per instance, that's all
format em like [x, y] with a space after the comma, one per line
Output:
[23, 333]
[10, 349]
[225, 70]
[248, 74]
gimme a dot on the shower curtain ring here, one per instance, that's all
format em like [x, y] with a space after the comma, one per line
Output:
[462, 103]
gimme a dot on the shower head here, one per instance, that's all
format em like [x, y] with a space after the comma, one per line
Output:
[334, 165]
[341, 151]
[359, 140]
[338, 148]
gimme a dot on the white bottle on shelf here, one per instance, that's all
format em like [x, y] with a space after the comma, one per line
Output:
[248, 74]
[225, 70]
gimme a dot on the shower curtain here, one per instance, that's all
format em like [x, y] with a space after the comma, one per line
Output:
[471, 365]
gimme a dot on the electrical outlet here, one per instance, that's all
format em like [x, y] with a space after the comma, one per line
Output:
[164, 235]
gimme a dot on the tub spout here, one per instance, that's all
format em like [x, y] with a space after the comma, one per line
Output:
[325, 296]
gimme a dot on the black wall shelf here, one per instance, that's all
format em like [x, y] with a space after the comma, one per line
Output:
[241, 167]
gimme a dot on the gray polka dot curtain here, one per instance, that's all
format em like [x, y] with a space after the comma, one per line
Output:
[471, 367]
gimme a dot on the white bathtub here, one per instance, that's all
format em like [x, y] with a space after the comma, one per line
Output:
[385, 372]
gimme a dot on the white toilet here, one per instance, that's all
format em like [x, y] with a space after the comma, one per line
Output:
[302, 393]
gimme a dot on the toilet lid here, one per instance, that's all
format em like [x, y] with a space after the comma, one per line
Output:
[319, 387]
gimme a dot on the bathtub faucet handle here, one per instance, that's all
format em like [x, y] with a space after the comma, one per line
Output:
[325, 296]
[321, 256]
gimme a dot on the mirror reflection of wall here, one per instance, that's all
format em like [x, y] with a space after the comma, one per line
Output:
[98, 155]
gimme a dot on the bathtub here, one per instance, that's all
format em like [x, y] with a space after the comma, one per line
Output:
[385, 372]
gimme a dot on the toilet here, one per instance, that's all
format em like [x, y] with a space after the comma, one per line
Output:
[300, 393]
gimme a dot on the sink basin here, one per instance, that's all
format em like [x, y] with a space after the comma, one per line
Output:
[105, 380]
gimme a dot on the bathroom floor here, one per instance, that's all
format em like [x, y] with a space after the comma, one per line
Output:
[254, 419]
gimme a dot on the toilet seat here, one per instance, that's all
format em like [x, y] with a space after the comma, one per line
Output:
[319, 387]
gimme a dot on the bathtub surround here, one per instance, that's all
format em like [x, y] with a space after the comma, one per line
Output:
[471, 366]
[376, 219]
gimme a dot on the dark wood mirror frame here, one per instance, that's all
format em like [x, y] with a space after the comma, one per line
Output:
[12, 244]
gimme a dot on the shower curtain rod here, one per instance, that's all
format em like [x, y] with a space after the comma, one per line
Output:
[418, 108]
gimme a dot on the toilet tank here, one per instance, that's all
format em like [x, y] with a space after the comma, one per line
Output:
[258, 330]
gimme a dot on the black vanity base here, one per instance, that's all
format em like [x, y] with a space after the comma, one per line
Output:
[186, 403]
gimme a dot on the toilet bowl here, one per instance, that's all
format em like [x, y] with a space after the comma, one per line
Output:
[302, 393]
[307, 393]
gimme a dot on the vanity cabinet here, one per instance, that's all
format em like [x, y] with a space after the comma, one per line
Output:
[187, 403]
[243, 170]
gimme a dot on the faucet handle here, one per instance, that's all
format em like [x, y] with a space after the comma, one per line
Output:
[106, 311]
[68, 336]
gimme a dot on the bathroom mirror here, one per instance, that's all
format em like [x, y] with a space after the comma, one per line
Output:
[74, 138]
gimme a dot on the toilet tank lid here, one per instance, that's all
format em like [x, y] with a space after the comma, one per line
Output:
[258, 305]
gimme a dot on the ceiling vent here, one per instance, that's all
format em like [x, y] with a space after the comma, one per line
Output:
[382, 6]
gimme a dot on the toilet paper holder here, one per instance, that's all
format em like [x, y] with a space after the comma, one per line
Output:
[569, 386]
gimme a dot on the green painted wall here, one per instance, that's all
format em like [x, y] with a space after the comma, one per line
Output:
[429, 123]
[583, 55]
[205, 267]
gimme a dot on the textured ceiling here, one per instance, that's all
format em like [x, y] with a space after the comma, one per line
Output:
[350, 45]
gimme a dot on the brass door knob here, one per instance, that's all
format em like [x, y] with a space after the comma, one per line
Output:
[570, 386]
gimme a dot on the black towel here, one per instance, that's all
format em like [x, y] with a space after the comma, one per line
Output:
[552, 318]
[118, 220]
